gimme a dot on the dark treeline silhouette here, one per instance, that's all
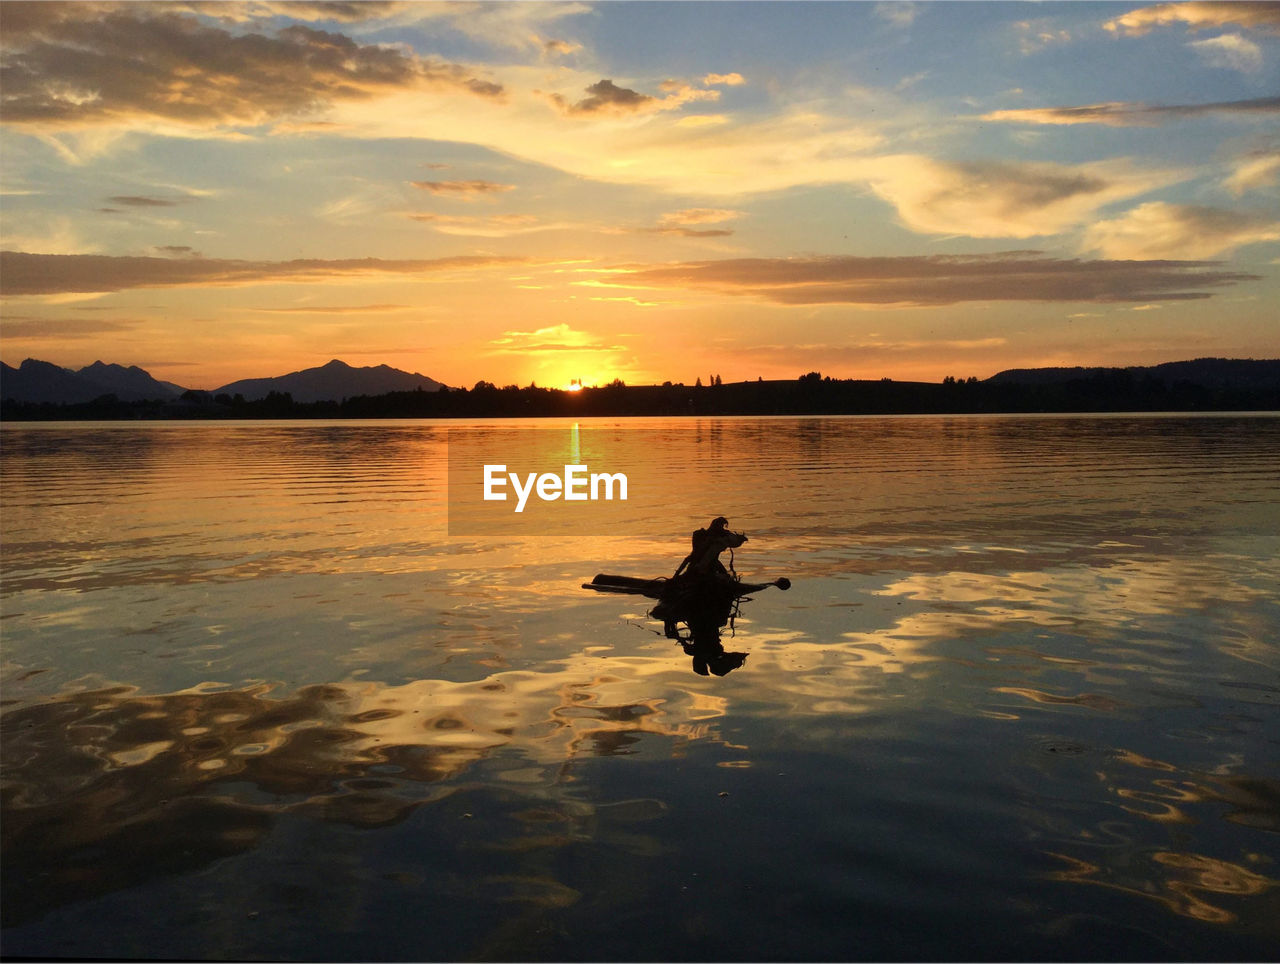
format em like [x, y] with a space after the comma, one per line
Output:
[1247, 386]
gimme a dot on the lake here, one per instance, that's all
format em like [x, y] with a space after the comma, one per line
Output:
[1022, 700]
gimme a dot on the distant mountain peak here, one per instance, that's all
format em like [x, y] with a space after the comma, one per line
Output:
[42, 381]
[32, 364]
[101, 366]
[332, 382]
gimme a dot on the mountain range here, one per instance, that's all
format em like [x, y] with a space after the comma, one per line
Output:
[43, 382]
[333, 382]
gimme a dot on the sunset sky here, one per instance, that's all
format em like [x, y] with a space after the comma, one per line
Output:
[647, 191]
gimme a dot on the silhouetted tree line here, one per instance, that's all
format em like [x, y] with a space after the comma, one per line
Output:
[1113, 390]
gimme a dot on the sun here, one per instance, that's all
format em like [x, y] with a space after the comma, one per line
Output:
[575, 385]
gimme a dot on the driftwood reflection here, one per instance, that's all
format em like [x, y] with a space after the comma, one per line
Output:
[696, 621]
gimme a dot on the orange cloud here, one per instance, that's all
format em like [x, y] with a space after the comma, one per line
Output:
[556, 338]
[646, 145]
[700, 216]
[1128, 114]
[45, 274]
[62, 329]
[1198, 15]
[679, 224]
[862, 353]
[683, 232]
[499, 226]
[463, 190]
[1254, 172]
[335, 309]
[998, 199]
[1160, 230]
[935, 280]
[560, 47]
[342, 11]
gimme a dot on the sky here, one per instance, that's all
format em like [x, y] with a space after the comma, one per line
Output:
[532, 193]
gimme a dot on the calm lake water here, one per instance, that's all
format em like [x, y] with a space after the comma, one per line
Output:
[1022, 700]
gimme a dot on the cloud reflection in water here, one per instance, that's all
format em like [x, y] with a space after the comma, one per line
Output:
[107, 787]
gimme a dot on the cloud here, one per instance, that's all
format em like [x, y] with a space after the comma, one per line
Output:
[1132, 114]
[681, 224]
[826, 355]
[636, 302]
[633, 143]
[178, 250]
[1034, 36]
[70, 66]
[509, 220]
[44, 274]
[1254, 172]
[606, 97]
[64, 329]
[734, 79]
[699, 216]
[684, 232]
[1230, 52]
[897, 13]
[703, 120]
[557, 338]
[560, 48]
[998, 199]
[517, 26]
[935, 280]
[142, 201]
[650, 146]
[41, 231]
[335, 309]
[1197, 16]
[356, 11]
[463, 190]
[499, 226]
[906, 83]
[678, 223]
[1160, 230]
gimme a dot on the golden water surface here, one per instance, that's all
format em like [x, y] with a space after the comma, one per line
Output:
[1021, 700]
